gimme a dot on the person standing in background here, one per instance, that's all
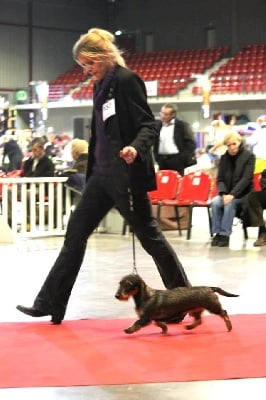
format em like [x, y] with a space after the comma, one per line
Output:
[217, 133]
[176, 145]
[12, 150]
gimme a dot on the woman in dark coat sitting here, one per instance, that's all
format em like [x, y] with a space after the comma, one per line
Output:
[77, 174]
[234, 182]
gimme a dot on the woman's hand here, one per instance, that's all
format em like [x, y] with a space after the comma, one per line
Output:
[227, 198]
[128, 153]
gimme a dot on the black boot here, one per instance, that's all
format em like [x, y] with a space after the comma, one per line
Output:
[31, 311]
[34, 312]
[215, 240]
[223, 241]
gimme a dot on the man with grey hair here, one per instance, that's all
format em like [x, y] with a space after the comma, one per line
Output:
[176, 146]
[38, 165]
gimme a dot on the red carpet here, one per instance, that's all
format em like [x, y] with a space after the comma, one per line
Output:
[97, 352]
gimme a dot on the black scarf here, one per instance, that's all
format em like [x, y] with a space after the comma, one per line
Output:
[101, 90]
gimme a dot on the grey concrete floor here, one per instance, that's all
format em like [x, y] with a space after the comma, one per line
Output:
[241, 268]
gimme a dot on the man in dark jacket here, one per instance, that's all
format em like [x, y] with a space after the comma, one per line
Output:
[38, 165]
[175, 146]
[234, 182]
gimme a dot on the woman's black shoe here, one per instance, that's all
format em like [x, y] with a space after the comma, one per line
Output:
[56, 320]
[215, 240]
[31, 311]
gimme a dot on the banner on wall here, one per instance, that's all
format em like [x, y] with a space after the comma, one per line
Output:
[206, 94]
[42, 92]
[152, 88]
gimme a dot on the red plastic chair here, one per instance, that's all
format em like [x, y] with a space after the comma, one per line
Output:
[168, 183]
[167, 187]
[195, 190]
[256, 181]
[16, 173]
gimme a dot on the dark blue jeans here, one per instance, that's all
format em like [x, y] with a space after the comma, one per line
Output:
[99, 196]
[223, 215]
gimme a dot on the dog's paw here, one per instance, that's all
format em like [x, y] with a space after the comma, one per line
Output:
[162, 325]
[190, 326]
[129, 330]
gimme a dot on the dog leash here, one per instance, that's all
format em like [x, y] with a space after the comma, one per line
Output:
[131, 207]
[134, 254]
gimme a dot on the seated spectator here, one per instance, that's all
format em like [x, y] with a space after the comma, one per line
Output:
[49, 146]
[38, 165]
[216, 131]
[231, 120]
[254, 206]
[204, 162]
[79, 152]
[234, 182]
[257, 141]
[219, 130]
[77, 174]
[65, 154]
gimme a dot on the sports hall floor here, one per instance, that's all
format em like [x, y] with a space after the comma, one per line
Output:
[239, 269]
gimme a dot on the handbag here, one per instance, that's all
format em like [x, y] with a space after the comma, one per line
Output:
[263, 180]
[190, 160]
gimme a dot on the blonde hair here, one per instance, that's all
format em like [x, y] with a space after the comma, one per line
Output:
[99, 44]
[261, 119]
[79, 146]
[232, 135]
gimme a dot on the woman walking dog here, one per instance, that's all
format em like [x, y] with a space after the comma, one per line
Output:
[120, 173]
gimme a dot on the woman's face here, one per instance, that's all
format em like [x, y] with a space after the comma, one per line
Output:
[94, 67]
[233, 146]
[74, 154]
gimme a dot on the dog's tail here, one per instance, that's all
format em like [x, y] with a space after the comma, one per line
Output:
[223, 292]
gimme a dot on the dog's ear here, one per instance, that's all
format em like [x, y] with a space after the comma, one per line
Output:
[130, 282]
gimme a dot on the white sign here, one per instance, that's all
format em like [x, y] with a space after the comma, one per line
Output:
[108, 109]
[152, 88]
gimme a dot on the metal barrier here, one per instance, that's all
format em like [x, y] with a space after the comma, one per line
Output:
[35, 207]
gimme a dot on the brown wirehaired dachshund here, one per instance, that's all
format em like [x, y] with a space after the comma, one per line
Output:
[162, 305]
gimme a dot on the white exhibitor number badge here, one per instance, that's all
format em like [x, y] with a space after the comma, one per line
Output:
[108, 109]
